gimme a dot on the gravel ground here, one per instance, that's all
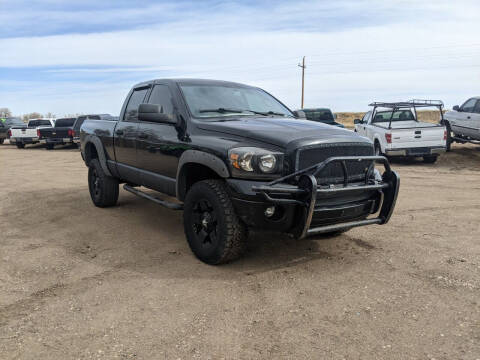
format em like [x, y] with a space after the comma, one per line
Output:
[79, 282]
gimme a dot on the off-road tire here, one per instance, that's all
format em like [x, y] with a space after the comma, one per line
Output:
[378, 149]
[449, 137]
[430, 159]
[21, 146]
[226, 240]
[103, 188]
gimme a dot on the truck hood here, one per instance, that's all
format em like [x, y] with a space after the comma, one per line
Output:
[281, 131]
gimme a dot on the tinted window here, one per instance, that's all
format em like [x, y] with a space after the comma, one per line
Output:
[319, 115]
[161, 96]
[79, 123]
[400, 115]
[35, 123]
[14, 121]
[131, 112]
[94, 117]
[205, 100]
[469, 105]
[67, 122]
[366, 117]
[476, 109]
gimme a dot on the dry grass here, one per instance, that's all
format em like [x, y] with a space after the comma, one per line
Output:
[346, 118]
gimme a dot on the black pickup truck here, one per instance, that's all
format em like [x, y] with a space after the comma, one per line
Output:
[61, 134]
[235, 158]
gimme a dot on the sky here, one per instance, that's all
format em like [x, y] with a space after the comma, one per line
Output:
[69, 57]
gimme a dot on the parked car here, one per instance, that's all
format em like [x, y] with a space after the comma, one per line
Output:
[21, 136]
[61, 134]
[235, 158]
[6, 124]
[323, 115]
[463, 123]
[395, 130]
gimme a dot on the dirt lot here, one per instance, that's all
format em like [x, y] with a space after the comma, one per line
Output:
[81, 282]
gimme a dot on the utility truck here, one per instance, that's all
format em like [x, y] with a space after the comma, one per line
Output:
[395, 130]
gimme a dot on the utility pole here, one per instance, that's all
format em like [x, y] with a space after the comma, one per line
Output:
[303, 78]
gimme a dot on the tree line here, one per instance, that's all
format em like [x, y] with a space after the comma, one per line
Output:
[5, 112]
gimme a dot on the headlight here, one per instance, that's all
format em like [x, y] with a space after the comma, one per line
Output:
[255, 162]
[267, 163]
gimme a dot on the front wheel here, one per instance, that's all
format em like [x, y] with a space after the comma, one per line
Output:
[214, 232]
[20, 146]
[103, 188]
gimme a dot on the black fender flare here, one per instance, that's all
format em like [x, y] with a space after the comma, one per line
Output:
[203, 158]
[102, 158]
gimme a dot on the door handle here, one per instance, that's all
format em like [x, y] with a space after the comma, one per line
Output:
[142, 136]
[468, 117]
[119, 132]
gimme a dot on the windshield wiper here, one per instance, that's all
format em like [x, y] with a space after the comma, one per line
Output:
[221, 110]
[239, 111]
[265, 113]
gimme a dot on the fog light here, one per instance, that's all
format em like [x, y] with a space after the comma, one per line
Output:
[269, 211]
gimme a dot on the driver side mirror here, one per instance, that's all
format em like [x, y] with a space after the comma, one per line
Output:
[456, 108]
[153, 113]
[299, 114]
[357, 121]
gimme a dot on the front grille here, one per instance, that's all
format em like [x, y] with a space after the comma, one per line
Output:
[333, 173]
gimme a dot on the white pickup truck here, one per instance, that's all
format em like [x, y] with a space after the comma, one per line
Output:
[29, 135]
[395, 130]
[463, 123]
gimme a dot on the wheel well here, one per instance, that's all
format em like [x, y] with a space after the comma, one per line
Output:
[190, 174]
[90, 153]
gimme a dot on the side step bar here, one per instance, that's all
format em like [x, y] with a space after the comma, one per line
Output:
[167, 204]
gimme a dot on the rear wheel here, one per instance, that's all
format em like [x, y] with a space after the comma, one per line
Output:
[103, 188]
[430, 159]
[449, 137]
[20, 145]
[378, 149]
[214, 232]
[1, 141]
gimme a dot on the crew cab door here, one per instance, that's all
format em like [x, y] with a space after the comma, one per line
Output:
[475, 121]
[125, 137]
[463, 123]
[362, 127]
[158, 146]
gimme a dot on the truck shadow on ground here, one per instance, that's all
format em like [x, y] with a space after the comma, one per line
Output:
[142, 237]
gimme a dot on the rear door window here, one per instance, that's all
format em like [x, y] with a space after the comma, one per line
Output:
[137, 98]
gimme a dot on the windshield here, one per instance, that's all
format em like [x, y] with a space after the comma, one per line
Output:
[67, 122]
[319, 115]
[399, 115]
[207, 101]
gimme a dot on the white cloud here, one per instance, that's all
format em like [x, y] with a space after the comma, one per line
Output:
[434, 54]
